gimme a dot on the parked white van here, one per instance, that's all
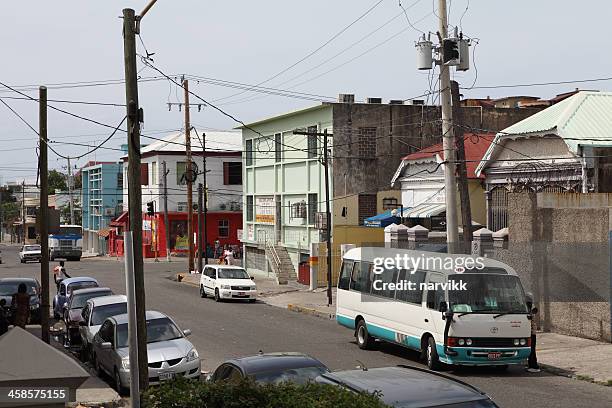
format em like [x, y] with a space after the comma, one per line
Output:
[227, 282]
[473, 314]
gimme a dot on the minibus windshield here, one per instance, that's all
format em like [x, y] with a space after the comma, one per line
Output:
[487, 293]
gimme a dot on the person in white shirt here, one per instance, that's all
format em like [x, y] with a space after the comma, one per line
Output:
[228, 254]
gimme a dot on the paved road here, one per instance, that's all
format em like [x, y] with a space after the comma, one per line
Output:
[224, 330]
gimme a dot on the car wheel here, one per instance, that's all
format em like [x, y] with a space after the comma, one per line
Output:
[202, 292]
[433, 360]
[217, 297]
[120, 388]
[364, 340]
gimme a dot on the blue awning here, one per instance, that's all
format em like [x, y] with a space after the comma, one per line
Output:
[381, 220]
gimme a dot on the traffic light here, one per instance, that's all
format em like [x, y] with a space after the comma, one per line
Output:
[450, 48]
[150, 208]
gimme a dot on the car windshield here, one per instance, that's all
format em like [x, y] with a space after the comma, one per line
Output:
[31, 248]
[79, 300]
[10, 288]
[486, 293]
[233, 274]
[295, 375]
[81, 285]
[100, 313]
[161, 329]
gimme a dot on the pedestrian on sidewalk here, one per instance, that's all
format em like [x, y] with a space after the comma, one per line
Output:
[532, 362]
[4, 323]
[21, 306]
[228, 254]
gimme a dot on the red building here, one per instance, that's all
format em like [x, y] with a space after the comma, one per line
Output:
[221, 225]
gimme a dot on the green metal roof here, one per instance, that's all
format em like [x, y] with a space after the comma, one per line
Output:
[584, 119]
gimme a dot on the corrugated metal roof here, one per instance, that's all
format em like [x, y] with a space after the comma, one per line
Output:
[584, 119]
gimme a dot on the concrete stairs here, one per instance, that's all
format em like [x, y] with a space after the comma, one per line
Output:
[280, 262]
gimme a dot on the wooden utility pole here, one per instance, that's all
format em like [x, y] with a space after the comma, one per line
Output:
[464, 193]
[134, 187]
[189, 176]
[166, 220]
[205, 198]
[23, 212]
[200, 229]
[448, 140]
[328, 226]
[43, 214]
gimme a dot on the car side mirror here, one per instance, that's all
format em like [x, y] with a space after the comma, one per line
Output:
[443, 307]
[534, 311]
[106, 345]
[187, 332]
[252, 278]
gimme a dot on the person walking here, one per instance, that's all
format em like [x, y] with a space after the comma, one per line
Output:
[228, 254]
[4, 323]
[21, 305]
[59, 274]
[532, 362]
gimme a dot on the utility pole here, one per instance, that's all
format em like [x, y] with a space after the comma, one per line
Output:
[188, 176]
[205, 199]
[130, 29]
[464, 194]
[328, 226]
[166, 220]
[448, 140]
[23, 212]
[200, 229]
[43, 214]
[70, 188]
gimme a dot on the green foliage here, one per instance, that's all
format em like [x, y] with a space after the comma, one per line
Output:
[57, 182]
[10, 212]
[182, 393]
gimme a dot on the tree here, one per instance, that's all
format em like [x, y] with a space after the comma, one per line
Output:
[57, 182]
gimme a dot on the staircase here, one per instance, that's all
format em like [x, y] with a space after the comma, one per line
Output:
[281, 264]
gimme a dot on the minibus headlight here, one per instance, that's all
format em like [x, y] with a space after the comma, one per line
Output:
[523, 342]
[516, 342]
[461, 342]
[468, 342]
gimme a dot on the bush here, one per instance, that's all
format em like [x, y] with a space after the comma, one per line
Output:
[182, 393]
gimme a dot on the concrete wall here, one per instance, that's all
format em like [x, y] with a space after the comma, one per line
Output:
[559, 245]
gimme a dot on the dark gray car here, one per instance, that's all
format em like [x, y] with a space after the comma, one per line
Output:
[271, 368]
[411, 387]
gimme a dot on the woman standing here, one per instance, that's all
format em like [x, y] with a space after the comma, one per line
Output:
[21, 305]
[229, 255]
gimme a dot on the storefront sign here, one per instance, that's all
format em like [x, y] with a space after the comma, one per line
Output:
[265, 207]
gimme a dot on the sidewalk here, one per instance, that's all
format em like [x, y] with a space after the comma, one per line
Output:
[573, 357]
[94, 392]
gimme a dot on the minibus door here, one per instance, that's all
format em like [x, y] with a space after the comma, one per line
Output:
[434, 295]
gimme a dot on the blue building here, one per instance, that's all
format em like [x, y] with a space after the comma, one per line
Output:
[102, 200]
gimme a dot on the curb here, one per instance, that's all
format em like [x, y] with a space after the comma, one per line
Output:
[311, 311]
[570, 374]
[94, 404]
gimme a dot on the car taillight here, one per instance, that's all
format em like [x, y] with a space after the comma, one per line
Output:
[452, 341]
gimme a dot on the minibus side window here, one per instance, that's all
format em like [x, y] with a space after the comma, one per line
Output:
[435, 297]
[359, 277]
[411, 296]
[345, 274]
[388, 276]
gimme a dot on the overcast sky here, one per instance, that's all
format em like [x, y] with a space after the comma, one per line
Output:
[50, 42]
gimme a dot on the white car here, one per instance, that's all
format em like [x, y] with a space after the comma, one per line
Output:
[30, 253]
[227, 282]
[95, 312]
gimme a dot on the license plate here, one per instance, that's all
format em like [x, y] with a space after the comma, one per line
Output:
[166, 376]
[496, 355]
[240, 293]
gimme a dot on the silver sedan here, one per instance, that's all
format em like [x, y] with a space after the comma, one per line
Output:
[170, 353]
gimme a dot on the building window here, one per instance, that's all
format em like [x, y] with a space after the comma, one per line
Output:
[367, 206]
[154, 173]
[389, 203]
[120, 181]
[313, 207]
[277, 147]
[298, 210]
[249, 208]
[249, 152]
[312, 142]
[223, 228]
[181, 168]
[144, 174]
[181, 206]
[367, 142]
[232, 173]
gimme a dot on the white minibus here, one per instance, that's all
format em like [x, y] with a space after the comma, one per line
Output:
[455, 309]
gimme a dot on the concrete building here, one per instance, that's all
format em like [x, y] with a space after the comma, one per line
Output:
[284, 177]
[102, 199]
[224, 192]
[565, 148]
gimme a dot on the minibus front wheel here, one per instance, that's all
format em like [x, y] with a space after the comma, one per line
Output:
[433, 360]
[364, 340]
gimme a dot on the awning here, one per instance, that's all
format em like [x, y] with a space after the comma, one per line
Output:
[425, 210]
[104, 232]
[381, 220]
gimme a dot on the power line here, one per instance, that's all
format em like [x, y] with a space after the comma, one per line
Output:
[68, 101]
[576, 81]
